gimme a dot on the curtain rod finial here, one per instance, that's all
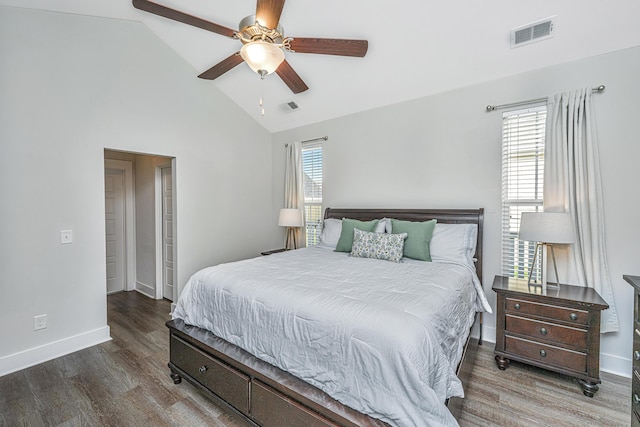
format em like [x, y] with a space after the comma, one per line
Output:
[491, 107]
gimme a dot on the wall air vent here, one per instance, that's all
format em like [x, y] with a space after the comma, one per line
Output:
[533, 32]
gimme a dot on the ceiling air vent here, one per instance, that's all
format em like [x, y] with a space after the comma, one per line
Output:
[533, 32]
[290, 106]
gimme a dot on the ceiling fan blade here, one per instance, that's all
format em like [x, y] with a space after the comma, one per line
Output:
[222, 67]
[343, 47]
[157, 9]
[291, 78]
[268, 12]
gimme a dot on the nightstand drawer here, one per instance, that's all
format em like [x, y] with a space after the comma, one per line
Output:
[572, 315]
[635, 397]
[547, 354]
[574, 337]
[635, 357]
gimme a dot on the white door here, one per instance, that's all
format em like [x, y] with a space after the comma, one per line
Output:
[167, 234]
[114, 229]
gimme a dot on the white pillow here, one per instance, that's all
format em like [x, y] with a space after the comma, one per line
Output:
[454, 243]
[332, 228]
[384, 225]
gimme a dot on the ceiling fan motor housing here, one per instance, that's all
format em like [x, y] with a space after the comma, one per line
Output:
[251, 30]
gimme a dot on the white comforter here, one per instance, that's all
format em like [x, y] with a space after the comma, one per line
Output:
[382, 338]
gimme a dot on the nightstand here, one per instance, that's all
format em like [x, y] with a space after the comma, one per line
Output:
[635, 376]
[274, 251]
[559, 331]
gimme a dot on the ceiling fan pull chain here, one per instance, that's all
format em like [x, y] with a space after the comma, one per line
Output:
[261, 101]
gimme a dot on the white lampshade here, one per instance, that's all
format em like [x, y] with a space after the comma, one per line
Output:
[261, 55]
[290, 218]
[547, 227]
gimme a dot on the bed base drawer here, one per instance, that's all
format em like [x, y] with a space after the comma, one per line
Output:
[270, 408]
[227, 383]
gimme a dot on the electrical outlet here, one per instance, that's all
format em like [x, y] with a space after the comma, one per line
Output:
[39, 322]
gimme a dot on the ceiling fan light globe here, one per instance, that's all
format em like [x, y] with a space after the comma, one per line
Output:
[261, 55]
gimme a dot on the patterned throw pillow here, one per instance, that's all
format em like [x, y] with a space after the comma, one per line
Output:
[377, 245]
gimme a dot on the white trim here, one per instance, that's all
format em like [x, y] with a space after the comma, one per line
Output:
[615, 365]
[144, 289]
[159, 240]
[34, 356]
[174, 224]
[129, 216]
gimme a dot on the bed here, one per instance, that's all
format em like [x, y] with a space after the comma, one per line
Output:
[316, 337]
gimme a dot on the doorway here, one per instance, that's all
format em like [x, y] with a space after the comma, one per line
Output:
[132, 239]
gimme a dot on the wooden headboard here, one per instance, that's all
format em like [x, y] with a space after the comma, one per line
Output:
[447, 216]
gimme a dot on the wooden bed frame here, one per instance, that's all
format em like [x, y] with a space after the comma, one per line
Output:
[268, 396]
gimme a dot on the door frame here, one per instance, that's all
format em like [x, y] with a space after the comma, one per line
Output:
[129, 220]
[159, 236]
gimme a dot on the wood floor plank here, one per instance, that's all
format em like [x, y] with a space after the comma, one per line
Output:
[125, 382]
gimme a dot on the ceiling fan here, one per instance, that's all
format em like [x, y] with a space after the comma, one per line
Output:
[263, 42]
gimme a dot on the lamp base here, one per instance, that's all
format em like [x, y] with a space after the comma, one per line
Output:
[290, 241]
[543, 279]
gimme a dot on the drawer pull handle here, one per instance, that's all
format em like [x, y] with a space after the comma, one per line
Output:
[636, 355]
[517, 306]
[636, 398]
[203, 369]
[543, 331]
[573, 316]
[543, 353]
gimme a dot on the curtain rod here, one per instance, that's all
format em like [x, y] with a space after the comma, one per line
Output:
[324, 138]
[532, 101]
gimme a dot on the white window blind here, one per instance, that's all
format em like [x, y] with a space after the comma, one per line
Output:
[523, 134]
[312, 171]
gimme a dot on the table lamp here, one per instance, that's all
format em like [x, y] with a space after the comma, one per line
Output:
[546, 229]
[290, 218]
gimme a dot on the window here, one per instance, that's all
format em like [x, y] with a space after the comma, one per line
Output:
[523, 135]
[312, 179]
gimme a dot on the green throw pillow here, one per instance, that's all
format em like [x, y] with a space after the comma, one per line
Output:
[416, 245]
[346, 236]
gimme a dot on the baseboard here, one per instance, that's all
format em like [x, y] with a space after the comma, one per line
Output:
[615, 365]
[146, 290]
[34, 356]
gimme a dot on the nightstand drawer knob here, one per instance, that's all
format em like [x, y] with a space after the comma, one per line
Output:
[543, 331]
[517, 306]
[573, 316]
[636, 398]
[543, 353]
[636, 355]
[202, 369]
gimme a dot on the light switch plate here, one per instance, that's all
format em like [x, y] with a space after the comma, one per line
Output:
[66, 237]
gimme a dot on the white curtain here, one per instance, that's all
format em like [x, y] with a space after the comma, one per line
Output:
[294, 194]
[572, 184]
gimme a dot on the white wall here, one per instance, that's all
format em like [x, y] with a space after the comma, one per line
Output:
[70, 86]
[445, 151]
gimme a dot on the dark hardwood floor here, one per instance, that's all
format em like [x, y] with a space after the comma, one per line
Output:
[125, 382]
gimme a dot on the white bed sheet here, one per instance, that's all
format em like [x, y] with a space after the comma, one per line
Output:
[382, 338]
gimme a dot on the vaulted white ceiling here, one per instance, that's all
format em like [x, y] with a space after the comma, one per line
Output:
[416, 47]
